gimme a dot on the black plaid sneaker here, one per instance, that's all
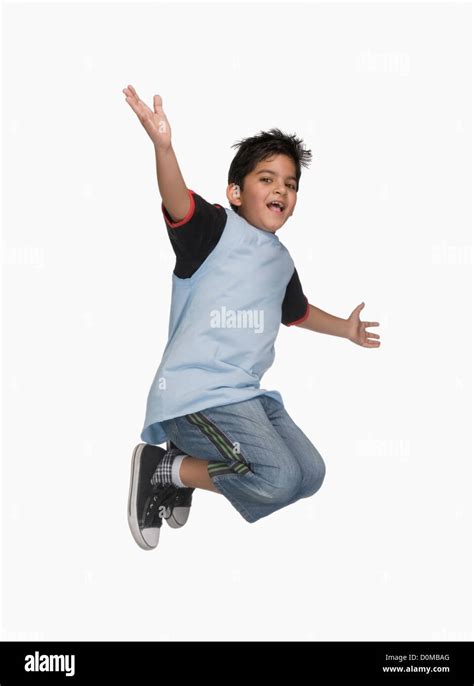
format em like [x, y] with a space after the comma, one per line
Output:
[148, 505]
[181, 507]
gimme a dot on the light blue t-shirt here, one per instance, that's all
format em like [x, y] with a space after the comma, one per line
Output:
[223, 323]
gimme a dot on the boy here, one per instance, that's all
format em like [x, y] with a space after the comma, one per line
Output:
[234, 283]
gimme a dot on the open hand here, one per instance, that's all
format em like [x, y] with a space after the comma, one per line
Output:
[357, 330]
[154, 122]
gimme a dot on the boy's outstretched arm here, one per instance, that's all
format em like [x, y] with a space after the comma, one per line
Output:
[173, 190]
[351, 328]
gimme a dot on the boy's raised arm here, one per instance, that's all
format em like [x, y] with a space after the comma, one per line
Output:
[173, 190]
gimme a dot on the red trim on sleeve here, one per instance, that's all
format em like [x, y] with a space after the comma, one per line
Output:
[176, 225]
[301, 319]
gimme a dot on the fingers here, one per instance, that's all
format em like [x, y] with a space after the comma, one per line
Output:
[157, 101]
[138, 106]
[371, 339]
[371, 323]
[130, 92]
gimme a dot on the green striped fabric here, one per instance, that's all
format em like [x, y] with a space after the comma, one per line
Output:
[235, 463]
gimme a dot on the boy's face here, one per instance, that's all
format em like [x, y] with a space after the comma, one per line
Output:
[272, 180]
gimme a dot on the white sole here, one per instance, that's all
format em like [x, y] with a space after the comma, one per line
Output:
[132, 499]
[178, 522]
[172, 521]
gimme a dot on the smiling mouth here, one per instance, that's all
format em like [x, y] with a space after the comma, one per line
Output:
[275, 207]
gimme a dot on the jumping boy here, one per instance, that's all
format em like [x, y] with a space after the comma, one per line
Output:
[233, 285]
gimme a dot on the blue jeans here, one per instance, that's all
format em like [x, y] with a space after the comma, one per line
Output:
[258, 458]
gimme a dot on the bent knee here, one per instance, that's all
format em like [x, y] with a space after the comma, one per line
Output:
[284, 484]
[313, 478]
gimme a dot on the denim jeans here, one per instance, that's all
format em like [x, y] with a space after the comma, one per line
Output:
[258, 458]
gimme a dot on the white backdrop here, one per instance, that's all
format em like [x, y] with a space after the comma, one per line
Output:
[381, 93]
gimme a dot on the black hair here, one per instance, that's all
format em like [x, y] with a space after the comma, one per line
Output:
[254, 149]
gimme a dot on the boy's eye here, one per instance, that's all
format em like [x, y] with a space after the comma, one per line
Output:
[267, 178]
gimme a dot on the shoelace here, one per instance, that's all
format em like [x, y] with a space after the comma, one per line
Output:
[163, 497]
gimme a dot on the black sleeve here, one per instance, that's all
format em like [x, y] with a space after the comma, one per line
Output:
[195, 237]
[295, 307]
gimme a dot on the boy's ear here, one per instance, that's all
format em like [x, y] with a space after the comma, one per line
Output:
[233, 194]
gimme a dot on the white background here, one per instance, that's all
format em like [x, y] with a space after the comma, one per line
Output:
[381, 93]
